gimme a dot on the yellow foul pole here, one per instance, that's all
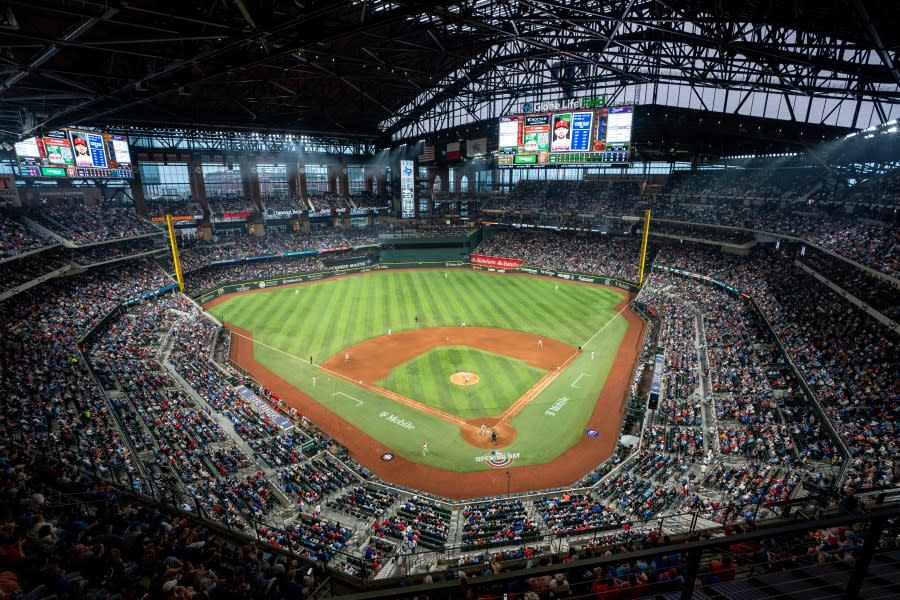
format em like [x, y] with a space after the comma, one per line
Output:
[644, 247]
[175, 260]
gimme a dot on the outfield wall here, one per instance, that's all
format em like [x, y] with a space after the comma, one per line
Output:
[481, 265]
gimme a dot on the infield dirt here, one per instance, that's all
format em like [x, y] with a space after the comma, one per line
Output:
[373, 359]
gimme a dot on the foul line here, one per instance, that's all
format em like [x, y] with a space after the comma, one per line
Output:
[577, 379]
[354, 398]
[509, 413]
[377, 390]
[607, 324]
[279, 350]
[399, 398]
[374, 389]
[547, 379]
[380, 391]
[536, 389]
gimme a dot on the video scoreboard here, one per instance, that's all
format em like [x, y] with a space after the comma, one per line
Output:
[75, 153]
[573, 137]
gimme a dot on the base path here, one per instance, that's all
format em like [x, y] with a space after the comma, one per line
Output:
[374, 359]
[371, 361]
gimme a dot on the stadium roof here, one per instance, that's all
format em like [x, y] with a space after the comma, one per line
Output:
[385, 70]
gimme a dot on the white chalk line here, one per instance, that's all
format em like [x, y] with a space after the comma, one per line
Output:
[605, 325]
[279, 350]
[577, 379]
[354, 398]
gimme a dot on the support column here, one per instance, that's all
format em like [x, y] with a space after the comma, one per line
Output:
[198, 186]
[137, 194]
[250, 180]
[302, 187]
[293, 175]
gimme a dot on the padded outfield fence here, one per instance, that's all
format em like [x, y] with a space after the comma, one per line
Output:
[264, 283]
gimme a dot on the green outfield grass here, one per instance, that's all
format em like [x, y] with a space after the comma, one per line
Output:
[292, 324]
[502, 380]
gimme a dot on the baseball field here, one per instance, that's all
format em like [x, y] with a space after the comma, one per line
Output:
[418, 371]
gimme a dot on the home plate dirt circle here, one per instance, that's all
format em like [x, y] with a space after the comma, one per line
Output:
[463, 378]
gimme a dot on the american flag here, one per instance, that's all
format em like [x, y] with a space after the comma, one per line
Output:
[427, 154]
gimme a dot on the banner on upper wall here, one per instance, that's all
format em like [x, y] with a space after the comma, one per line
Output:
[407, 190]
[453, 152]
[659, 367]
[495, 261]
[335, 249]
[348, 262]
[166, 288]
[476, 147]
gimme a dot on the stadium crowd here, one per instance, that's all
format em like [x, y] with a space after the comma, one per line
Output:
[205, 278]
[68, 535]
[197, 253]
[158, 207]
[498, 523]
[847, 357]
[84, 222]
[14, 273]
[872, 244]
[566, 251]
[16, 238]
[273, 203]
[221, 205]
[567, 197]
[788, 202]
[748, 441]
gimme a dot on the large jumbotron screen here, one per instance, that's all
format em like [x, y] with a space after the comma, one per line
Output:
[568, 137]
[75, 153]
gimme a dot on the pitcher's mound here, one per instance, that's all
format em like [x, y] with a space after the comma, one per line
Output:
[464, 378]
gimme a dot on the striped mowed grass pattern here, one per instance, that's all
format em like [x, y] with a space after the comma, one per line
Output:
[501, 381]
[323, 318]
[319, 320]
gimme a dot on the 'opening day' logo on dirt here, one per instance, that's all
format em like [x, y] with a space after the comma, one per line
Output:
[498, 459]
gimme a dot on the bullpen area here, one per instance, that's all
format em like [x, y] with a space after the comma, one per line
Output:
[459, 382]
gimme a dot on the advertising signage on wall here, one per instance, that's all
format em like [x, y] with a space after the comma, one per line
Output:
[569, 104]
[496, 261]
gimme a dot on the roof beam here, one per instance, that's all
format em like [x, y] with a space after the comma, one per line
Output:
[876, 40]
[51, 50]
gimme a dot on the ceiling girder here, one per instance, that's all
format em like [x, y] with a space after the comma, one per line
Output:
[441, 63]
